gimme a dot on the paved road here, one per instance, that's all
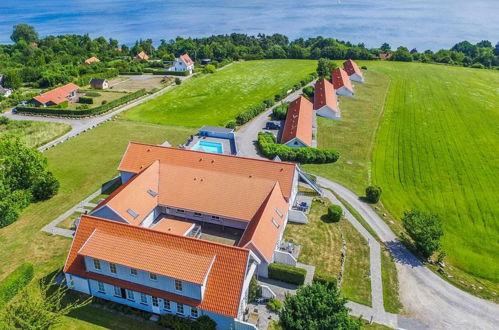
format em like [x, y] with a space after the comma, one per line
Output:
[426, 297]
[79, 126]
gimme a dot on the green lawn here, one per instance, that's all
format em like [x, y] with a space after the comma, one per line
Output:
[215, 99]
[436, 150]
[321, 245]
[34, 133]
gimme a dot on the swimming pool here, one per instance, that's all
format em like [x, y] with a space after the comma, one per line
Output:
[208, 146]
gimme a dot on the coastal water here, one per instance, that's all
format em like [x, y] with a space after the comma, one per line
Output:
[424, 24]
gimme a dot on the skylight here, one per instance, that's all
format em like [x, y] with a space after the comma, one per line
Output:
[132, 213]
[274, 221]
[279, 212]
[152, 192]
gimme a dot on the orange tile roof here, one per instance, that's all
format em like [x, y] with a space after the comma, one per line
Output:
[351, 68]
[340, 79]
[142, 56]
[186, 59]
[261, 231]
[153, 257]
[299, 121]
[324, 94]
[56, 95]
[385, 56]
[172, 226]
[138, 156]
[225, 279]
[92, 59]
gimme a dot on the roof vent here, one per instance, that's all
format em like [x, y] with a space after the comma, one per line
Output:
[148, 149]
[132, 213]
[152, 192]
[212, 161]
[200, 159]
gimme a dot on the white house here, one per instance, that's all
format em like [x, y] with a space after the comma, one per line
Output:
[184, 63]
[353, 71]
[325, 101]
[341, 83]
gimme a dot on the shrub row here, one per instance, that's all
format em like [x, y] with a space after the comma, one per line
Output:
[326, 280]
[174, 322]
[280, 112]
[81, 113]
[269, 148]
[86, 100]
[14, 282]
[128, 73]
[288, 274]
[92, 94]
[171, 73]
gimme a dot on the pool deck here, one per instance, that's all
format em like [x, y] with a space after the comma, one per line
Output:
[224, 142]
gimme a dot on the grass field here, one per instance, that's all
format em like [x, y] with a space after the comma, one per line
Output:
[321, 245]
[34, 133]
[436, 150]
[215, 99]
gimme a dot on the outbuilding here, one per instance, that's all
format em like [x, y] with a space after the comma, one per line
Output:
[99, 83]
[341, 83]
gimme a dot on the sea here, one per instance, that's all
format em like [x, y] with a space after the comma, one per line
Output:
[420, 24]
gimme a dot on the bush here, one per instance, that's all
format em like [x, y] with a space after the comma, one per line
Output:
[254, 290]
[309, 92]
[231, 124]
[268, 102]
[178, 81]
[251, 113]
[275, 305]
[103, 102]
[209, 68]
[425, 229]
[373, 194]
[174, 322]
[92, 94]
[44, 187]
[86, 100]
[82, 107]
[129, 73]
[363, 67]
[280, 112]
[14, 282]
[269, 148]
[478, 65]
[4, 120]
[326, 280]
[288, 274]
[334, 213]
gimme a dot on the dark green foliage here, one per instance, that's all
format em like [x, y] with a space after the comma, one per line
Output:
[385, 47]
[178, 81]
[309, 92]
[326, 280]
[402, 54]
[334, 213]
[425, 229]
[174, 322]
[86, 100]
[363, 67]
[275, 305]
[280, 112]
[317, 307]
[251, 113]
[269, 148]
[131, 73]
[268, 102]
[25, 33]
[324, 67]
[44, 187]
[231, 124]
[14, 282]
[209, 68]
[288, 274]
[92, 94]
[83, 113]
[373, 194]
[254, 290]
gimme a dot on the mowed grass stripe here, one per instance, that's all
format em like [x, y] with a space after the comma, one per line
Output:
[215, 99]
[437, 150]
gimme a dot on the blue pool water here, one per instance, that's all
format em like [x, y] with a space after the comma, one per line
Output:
[207, 146]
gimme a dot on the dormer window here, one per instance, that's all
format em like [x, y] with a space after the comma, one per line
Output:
[112, 268]
[97, 264]
[215, 217]
[133, 271]
[153, 276]
[178, 285]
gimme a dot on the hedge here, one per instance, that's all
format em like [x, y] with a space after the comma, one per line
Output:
[288, 274]
[251, 113]
[269, 148]
[326, 280]
[174, 322]
[83, 113]
[92, 94]
[280, 112]
[14, 282]
[171, 73]
[86, 100]
[128, 73]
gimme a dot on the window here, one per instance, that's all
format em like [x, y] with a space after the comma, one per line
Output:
[132, 213]
[133, 271]
[143, 299]
[153, 276]
[152, 192]
[180, 211]
[101, 287]
[112, 268]
[214, 217]
[279, 213]
[178, 285]
[129, 294]
[155, 301]
[117, 291]
[194, 312]
[180, 308]
[197, 214]
[97, 264]
[276, 224]
[166, 305]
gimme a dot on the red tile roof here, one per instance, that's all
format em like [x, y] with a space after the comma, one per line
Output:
[92, 59]
[351, 68]
[186, 59]
[324, 94]
[173, 226]
[56, 95]
[225, 279]
[299, 121]
[340, 79]
[142, 56]
[385, 56]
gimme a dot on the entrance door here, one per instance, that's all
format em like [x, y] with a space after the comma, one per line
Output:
[155, 305]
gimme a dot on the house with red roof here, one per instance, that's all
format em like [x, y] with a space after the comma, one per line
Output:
[91, 60]
[325, 101]
[341, 83]
[385, 56]
[297, 132]
[142, 56]
[353, 71]
[56, 96]
[184, 63]
[173, 238]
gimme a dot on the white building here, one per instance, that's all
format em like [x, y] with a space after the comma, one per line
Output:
[325, 101]
[353, 71]
[184, 63]
[341, 83]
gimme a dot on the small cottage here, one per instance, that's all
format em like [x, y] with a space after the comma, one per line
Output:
[353, 71]
[99, 83]
[141, 57]
[184, 63]
[341, 83]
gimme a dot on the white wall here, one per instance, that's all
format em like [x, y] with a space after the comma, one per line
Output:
[343, 91]
[327, 112]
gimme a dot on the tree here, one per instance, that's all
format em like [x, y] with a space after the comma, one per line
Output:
[324, 67]
[24, 32]
[484, 44]
[385, 47]
[210, 68]
[178, 81]
[425, 229]
[334, 213]
[13, 79]
[496, 49]
[317, 307]
[402, 54]
[373, 194]
[44, 187]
